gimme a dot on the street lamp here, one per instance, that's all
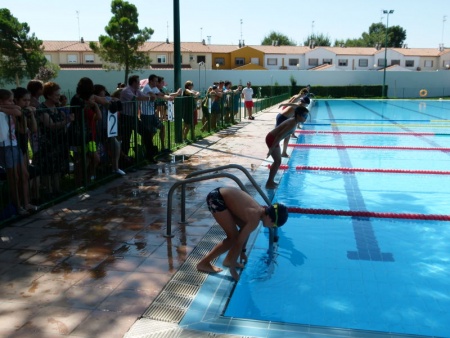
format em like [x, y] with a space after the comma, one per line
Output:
[200, 64]
[217, 66]
[387, 12]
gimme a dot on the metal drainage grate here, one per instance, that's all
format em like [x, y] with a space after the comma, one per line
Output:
[176, 297]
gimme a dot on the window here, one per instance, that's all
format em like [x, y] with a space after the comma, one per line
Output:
[343, 62]
[220, 61]
[201, 58]
[255, 61]
[428, 63]
[239, 61]
[395, 62]
[380, 62]
[161, 59]
[48, 57]
[294, 62]
[409, 63]
[272, 61]
[327, 61]
[313, 62]
[89, 58]
[72, 58]
[363, 62]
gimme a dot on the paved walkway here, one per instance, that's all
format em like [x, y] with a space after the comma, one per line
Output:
[90, 266]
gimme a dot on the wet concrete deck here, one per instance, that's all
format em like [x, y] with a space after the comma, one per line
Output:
[90, 266]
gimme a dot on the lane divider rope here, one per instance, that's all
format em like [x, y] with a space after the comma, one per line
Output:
[339, 146]
[368, 214]
[367, 170]
[309, 132]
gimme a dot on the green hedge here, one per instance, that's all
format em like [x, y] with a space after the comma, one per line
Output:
[323, 91]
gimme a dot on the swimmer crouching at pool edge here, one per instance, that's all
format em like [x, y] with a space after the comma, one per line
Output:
[238, 214]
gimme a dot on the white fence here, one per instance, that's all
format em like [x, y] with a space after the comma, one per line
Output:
[401, 84]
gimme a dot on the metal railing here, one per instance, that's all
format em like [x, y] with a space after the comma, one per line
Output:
[203, 175]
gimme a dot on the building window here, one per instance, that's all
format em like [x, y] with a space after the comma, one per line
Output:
[343, 62]
[409, 63]
[272, 61]
[428, 63]
[89, 58]
[313, 62]
[294, 62]
[161, 59]
[72, 58]
[327, 61]
[363, 62]
[48, 57]
[395, 62]
[201, 58]
[255, 61]
[239, 61]
[220, 61]
[381, 62]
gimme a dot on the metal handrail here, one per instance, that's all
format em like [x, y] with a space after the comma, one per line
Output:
[273, 233]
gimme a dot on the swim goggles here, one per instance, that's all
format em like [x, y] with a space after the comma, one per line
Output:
[275, 207]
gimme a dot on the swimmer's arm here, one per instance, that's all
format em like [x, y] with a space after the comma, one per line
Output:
[288, 105]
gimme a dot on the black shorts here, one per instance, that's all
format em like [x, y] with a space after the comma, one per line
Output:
[215, 201]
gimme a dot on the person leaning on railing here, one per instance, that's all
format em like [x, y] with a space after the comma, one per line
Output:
[129, 120]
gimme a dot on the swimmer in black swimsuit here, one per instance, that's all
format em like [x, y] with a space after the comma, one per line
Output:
[238, 214]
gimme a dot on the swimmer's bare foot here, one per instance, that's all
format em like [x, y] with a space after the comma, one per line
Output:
[294, 136]
[208, 268]
[284, 155]
[234, 274]
[271, 185]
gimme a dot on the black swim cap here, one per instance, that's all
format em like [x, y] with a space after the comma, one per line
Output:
[278, 214]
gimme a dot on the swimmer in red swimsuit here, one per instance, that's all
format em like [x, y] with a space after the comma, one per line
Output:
[274, 138]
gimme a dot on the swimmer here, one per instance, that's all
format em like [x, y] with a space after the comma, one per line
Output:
[274, 138]
[238, 214]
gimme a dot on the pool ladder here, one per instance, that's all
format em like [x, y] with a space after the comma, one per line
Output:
[208, 174]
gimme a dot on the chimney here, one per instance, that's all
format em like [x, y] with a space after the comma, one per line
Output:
[167, 40]
[203, 42]
[82, 40]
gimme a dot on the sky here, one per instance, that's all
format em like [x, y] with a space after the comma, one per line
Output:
[427, 23]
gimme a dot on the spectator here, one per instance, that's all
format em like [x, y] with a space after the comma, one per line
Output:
[52, 157]
[190, 121]
[247, 94]
[25, 125]
[148, 114]
[86, 113]
[110, 144]
[10, 155]
[129, 118]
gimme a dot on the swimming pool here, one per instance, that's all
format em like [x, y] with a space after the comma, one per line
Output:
[383, 269]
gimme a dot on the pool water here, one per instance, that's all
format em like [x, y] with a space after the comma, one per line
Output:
[388, 275]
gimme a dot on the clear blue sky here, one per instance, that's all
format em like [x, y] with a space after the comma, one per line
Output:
[221, 21]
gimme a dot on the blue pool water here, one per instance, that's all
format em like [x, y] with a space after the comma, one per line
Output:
[339, 273]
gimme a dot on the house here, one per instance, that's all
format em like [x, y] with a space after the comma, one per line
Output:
[194, 55]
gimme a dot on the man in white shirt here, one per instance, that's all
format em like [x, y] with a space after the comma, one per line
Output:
[148, 116]
[247, 94]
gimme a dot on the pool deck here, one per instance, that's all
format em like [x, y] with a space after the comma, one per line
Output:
[91, 265]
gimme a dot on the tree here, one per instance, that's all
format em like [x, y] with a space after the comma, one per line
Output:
[48, 72]
[277, 39]
[376, 36]
[317, 40]
[121, 46]
[22, 54]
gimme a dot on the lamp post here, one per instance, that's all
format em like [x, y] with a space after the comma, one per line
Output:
[200, 64]
[387, 12]
[217, 66]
